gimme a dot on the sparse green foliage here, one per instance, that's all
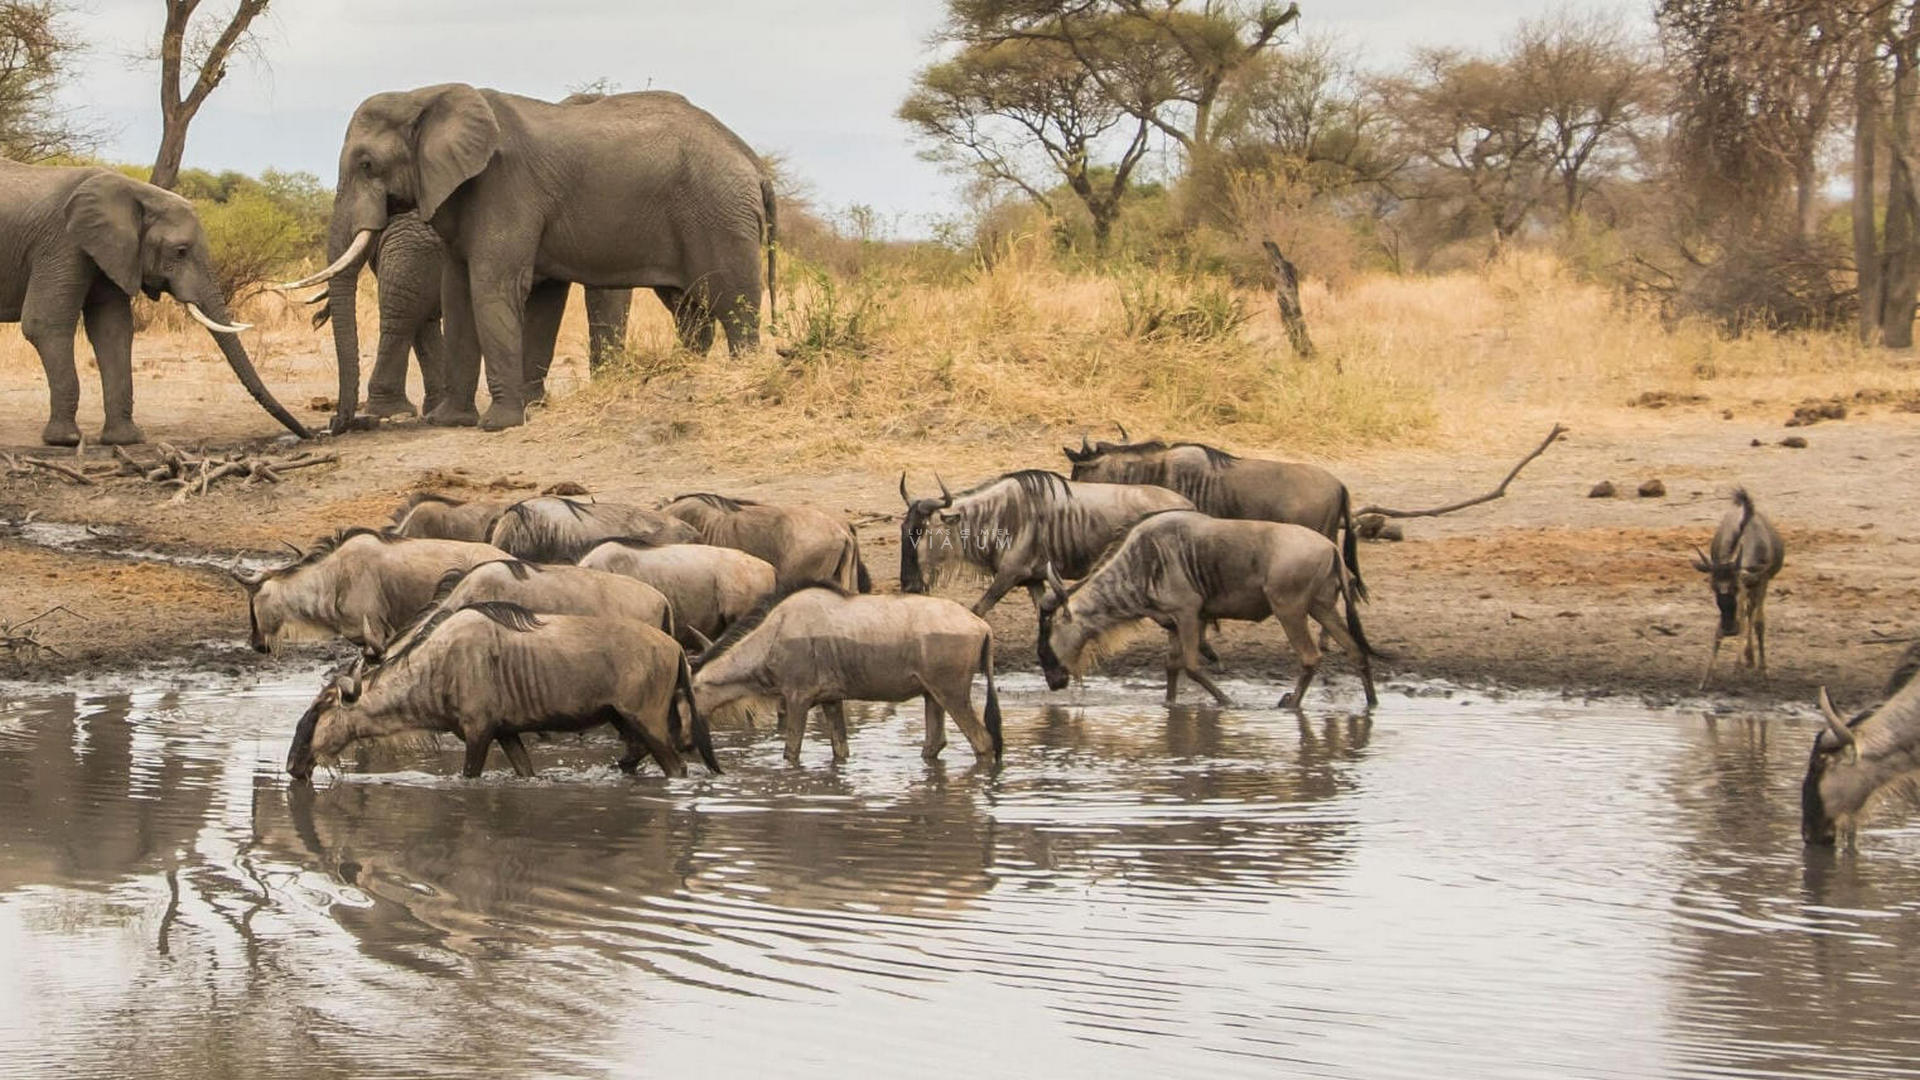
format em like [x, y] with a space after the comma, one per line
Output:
[822, 315]
[36, 49]
[1157, 306]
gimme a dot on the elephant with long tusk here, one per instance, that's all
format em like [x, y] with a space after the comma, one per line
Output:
[75, 245]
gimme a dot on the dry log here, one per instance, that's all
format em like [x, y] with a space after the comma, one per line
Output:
[1287, 291]
[1552, 437]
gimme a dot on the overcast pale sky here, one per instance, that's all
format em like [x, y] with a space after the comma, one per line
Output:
[816, 80]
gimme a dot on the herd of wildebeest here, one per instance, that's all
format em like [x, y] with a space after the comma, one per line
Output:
[489, 620]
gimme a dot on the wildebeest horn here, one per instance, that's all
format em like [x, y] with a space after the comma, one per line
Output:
[1700, 560]
[1054, 582]
[1124, 437]
[250, 578]
[946, 497]
[904, 497]
[293, 547]
[703, 640]
[1085, 446]
[1839, 727]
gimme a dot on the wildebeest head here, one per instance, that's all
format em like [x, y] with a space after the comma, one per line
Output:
[1124, 462]
[914, 529]
[1837, 785]
[1724, 577]
[1058, 631]
[323, 731]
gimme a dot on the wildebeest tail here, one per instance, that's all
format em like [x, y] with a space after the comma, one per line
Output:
[1350, 545]
[992, 714]
[1350, 588]
[850, 572]
[702, 735]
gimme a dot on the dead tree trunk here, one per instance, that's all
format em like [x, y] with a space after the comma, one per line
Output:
[1866, 247]
[177, 110]
[1287, 290]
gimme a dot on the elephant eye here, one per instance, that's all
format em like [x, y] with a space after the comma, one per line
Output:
[180, 251]
[366, 167]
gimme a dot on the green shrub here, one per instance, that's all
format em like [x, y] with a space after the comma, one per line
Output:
[1158, 306]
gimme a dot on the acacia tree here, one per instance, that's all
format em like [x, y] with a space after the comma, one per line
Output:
[193, 60]
[1595, 93]
[35, 53]
[1014, 110]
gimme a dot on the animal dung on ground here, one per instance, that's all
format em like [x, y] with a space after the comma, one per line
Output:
[1794, 442]
[1812, 412]
[320, 404]
[1603, 490]
[1653, 489]
[565, 487]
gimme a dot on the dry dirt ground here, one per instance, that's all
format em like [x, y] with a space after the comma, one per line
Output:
[1546, 588]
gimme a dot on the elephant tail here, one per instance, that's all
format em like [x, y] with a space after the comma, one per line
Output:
[768, 201]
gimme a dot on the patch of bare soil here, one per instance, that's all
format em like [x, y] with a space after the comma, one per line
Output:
[1546, 588]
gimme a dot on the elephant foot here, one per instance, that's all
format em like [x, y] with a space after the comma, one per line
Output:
[534, 393]
[60, 433]
[502, 416]
[121, 433]
[382, 407]
[447, 414]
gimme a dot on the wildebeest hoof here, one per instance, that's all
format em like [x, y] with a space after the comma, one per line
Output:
[500, 417]
[60, 433]
[121, 433]
[381, 408]
[1286, 701]
[445, 415]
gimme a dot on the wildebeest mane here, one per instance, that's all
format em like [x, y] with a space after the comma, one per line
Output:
[718, 502]
[1216, 457]
[327, 545]
[1153, 556]
[747, 623]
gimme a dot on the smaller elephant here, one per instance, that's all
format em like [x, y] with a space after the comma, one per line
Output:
[75, 244]
[408, 262]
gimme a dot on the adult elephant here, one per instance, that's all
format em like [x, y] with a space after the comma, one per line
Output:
[75, 245]
[635, 190]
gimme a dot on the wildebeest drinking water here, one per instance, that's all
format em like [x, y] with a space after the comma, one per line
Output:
[709, 587]
[1745, 554]
[821, 645]
[556, 529]
[491, 672]
[1852, 762]
[1011, 528]
[801, 543]
[1226, 486]
[1179, 569]
[358, 584]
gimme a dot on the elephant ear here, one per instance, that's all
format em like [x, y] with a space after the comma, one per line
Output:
[454, 138]
[105, 218]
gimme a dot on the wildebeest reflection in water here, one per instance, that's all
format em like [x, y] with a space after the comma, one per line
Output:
[1490, 888]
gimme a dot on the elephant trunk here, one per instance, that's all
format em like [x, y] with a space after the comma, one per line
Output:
[237, 359]
[342, 310]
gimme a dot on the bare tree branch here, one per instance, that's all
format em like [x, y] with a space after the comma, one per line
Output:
[1498, 492]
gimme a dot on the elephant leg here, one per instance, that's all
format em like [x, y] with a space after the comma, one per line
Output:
[607, 311]
[462, 350]
[110, 331]
[499, 296]
[387, 386]
[546, 304]
[691, 324]
[738, 310]
[430, 351]
[48, 318]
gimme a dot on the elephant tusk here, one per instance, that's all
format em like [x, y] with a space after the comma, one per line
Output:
[316, 297]
[360, 241]
[218, 328]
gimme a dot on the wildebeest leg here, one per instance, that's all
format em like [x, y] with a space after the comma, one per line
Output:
[516, 753]
[630, 736]
[1330, 625]
[1174, 666]
[1002, 584]
[477, 748]
[836, 714]
[957, 700]
[662, 750]
[1186, 633]
[1759, 627]
[793, 719]
[1300, 636]
[1711, 657]
[936, 739]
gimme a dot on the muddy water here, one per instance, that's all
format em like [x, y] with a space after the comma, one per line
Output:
[1464, 887]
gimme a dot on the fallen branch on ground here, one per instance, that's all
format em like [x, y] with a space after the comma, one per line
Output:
[20, 637]
[1552, 437]
[197, 475]
[22, 466]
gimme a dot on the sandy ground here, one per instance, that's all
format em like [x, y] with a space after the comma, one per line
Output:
[1546, 588]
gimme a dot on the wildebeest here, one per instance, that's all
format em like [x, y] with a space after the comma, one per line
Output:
[1852, 762]
[1012, 527]
[1181, 568]
[1745, 554]
[821, 645]
[489, 672]
[547, 590]
[802, 543]
[358, 584]
[1225, 486]
[555, 529]
[709, 587]
[431, 516]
